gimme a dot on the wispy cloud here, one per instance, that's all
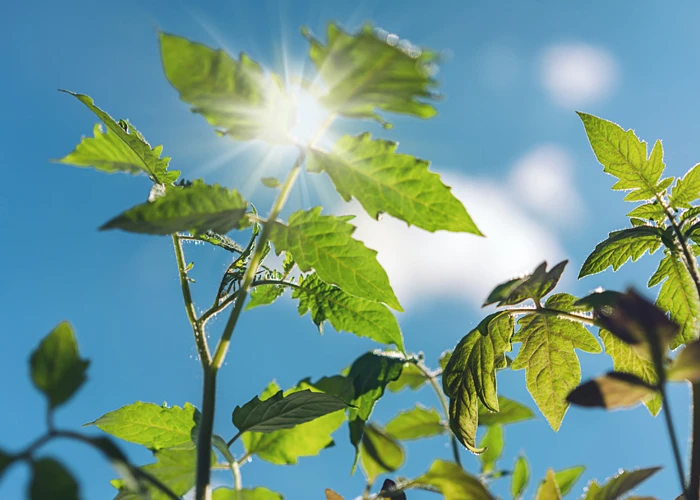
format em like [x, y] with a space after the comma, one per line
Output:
[461, 267]
[543, 179]
[577, 74]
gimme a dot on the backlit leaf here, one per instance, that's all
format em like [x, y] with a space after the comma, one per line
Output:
[233, 95]
[653, 211]
[619, 247]
[611, 391]
[470, 375]
[263, 295]
[150, 425]
[122, 148]
[50, 479]
[624, 156]
[258, 493]
[379, 453]
[196, 208]
[332, 495]
[284, 412]
[628, 360]
[492, 443]
[552, 367]
[567, 478]
[56, 367]
[286, 446]
[686, 366]
[520, 478]
[533, 286]
[509, 412]
[325, 243]
[620, 484]
[686, 189]
[346, 312]
[383, 181]
[679, 296]
[365, 73]
[548, 490]
[416, 423]
[411, 376]
[453, 482]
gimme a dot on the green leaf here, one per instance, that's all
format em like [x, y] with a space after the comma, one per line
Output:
[5, 461]
[258, 493]
[233, 95]
[325, 243]
[411, 376]
[56, 367]
[679, 296]
[263, 295]
[370, 373]
[50, 479]
[175, 467]
[566, 302]
[624, 156]
[653, 211]
[509, 412]
[552, 367]
[155, 427]
[346, 312]
[492, 443]
[284, 412]
[628, 360]
[686, 189]
[619, 247]
[686, 366]
[611, 391]
[520, 478]
[380, 453]
[196, 208]
[220, 241]
[533, 286]
[470, 375]
[122, 148]
[416, 423]
[383, 181]
[271, 182]
[567, 478]
[119, 462]
[548, 490]
[287, 445]
[620, 484]
[364, 73]
[453, 482]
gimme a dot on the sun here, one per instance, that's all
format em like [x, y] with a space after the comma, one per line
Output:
[311, 117]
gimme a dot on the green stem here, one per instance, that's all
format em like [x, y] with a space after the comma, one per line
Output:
[237, 480]
[445, 409]
[693, 492]
[553, 312]
[206, 430]
[199, 338]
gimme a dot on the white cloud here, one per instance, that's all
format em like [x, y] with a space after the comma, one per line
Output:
[578, 74]
[543, 179]
[426, 266]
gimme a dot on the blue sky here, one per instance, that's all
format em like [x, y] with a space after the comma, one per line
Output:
[514, 76]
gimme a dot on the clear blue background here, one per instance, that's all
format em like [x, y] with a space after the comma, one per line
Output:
[121, 291]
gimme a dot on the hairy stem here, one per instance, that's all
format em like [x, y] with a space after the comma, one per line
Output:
[554, 312]
[432, 378]
[206, 430]
[199, 338]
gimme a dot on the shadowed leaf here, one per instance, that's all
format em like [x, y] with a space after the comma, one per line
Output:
[419, 422]
[492, 443]
[379, 453]
[453, 482]
[548, 490]
[686, 366]
[520, 478]
[533, 286]
[611, 391]
[509, 412]
[50, 479]
[258, 493]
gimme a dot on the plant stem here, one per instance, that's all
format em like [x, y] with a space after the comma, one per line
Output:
[237, 481]
[206, 429]
[445, 409]
[669, 423]
[199, 338]
[553, 312]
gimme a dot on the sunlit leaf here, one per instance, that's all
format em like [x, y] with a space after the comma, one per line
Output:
[196, 208]
[325, 243]
[416, 423]
[258, 493]
[624, 156]
[233, 95]
[365, 73]
[686, 189]
[520, 477]
[122, 148]
[284, 412]
[533, 286]
[50, 479]
[470, 375]
[547, 355]
[383, 181]
[509, 412]
[686, 366]
[567, 478]
[679, 296]
[56, 367]
[548, 490]
[346, 312]
[622, 483]
[492, 443]
[263, 295]
[453, 482]
[627, 360]
[411, 376]
[653, 211]
[621, 246]
[150, 425]
[271, 182]
[286, 446]
[379, 453]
